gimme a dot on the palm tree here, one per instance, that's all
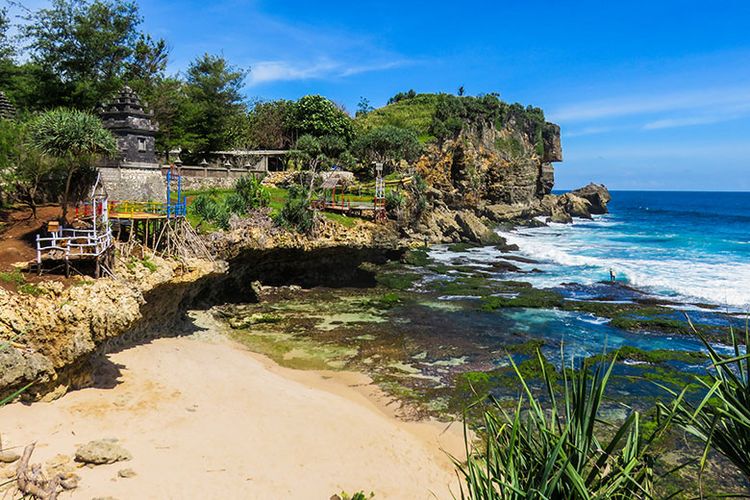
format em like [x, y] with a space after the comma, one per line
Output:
[74, 137]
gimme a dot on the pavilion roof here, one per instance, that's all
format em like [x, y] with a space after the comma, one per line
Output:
[331, 182]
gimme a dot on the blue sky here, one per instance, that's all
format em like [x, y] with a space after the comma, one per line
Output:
[649, 95]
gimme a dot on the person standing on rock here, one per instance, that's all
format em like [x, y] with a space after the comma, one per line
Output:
[612, 276]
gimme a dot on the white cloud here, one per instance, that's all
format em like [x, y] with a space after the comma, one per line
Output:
[667, 151]
[588, 131]
[263, 72]
[723, 115]
[273, 71]
[617, 107]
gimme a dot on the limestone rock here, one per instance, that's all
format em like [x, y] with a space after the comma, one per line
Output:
[7, 471]
[104, 451]
[8, 457]
[126, 473]
[560, 216]
[473, 229]
[597, 195]
[575, 205]
[552, 145]
[502, 212]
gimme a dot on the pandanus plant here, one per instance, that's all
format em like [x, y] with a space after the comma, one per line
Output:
[73, 137]
[721, 420]
[553, 451]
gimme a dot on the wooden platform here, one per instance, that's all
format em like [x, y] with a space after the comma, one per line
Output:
[136, 216]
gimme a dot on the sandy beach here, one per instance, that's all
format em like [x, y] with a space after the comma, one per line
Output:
[205, 418]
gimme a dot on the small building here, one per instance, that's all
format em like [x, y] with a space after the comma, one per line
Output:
[133, 127]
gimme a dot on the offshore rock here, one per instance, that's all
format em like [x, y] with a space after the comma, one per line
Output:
[575, 205]
[597, 195]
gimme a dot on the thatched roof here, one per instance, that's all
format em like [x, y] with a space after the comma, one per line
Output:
[331, 182]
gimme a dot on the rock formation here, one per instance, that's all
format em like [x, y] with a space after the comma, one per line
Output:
[47, 338]
[597, 195]
[491, 174]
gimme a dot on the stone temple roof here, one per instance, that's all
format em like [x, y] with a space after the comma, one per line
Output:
[125, 103]
[7, 110]
[125, 114]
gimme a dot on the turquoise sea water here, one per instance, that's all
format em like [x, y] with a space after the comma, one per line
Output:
[691, 249]
[688, 246]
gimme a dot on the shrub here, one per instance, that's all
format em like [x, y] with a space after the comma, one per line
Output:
[203, 205]
[252, 194]
[394, 200]
[212, 210]
[296, 213]
[15, 277]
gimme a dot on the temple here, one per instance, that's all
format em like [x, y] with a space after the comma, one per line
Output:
[133, 127]
[134, 173]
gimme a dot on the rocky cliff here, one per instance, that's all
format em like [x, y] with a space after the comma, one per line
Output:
[46, 338]
[490, 162]
[51, 342]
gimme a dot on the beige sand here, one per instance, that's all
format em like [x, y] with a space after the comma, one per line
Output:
[207, 419]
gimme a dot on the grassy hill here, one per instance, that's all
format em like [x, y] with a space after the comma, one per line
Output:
[414, 114]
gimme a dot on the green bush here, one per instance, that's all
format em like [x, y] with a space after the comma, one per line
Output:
[296, 213]
[212, 207]
[204, 206]
[394, 200]
[252, 194]
[15, 277]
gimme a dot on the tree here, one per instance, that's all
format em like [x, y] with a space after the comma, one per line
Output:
[73, 137]
[167, 99]
[7, 49]
[214, 104]
[402, 96]
[388, 144]
[364, 107]
[26, 175]
[269, 124]
[308, 153]
[317, 116]
[90, 48]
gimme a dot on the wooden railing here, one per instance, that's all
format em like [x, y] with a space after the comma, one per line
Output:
[74, 242]
[118, 209]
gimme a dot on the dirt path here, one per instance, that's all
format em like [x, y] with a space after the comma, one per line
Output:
[204, 418]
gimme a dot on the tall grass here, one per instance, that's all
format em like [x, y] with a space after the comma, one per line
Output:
[721, 420]
[540, 452]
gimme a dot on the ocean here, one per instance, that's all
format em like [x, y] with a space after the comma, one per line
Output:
[685, 246]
